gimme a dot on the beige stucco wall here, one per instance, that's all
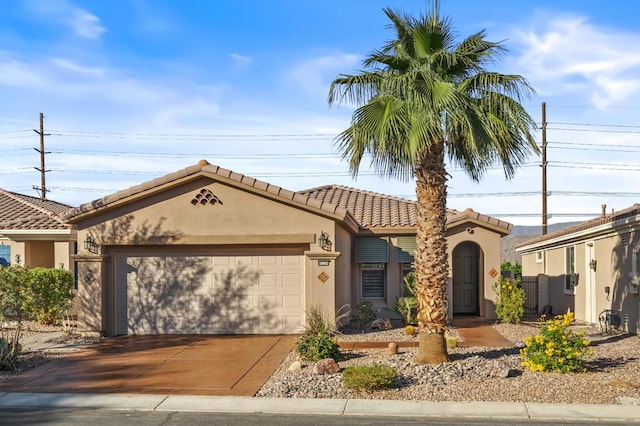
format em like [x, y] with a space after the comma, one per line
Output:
[613, 256]
[489, 242]
[39, 254]
[344, 287]
[240, 219]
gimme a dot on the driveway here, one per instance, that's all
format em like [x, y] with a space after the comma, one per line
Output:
[179, 365]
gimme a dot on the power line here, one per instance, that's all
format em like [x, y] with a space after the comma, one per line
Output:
[596, 125]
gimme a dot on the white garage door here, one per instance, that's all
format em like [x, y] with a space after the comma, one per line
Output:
[196, 294]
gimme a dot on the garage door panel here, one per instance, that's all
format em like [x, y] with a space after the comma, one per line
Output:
[179, 293]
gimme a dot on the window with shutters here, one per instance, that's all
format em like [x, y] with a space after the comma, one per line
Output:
[373, 278]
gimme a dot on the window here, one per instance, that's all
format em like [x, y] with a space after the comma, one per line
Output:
[570, 269]
[538, 257]
[373, 280]
[5, 255]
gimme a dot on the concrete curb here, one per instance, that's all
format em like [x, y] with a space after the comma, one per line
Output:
[337, 407]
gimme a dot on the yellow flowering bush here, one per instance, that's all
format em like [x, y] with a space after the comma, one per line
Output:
[555, 348]
[510, 301]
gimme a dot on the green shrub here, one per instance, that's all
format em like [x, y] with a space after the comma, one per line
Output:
[42, 294]
[555, 348]
[14, 293]
[510, 301]
[407, 305]
[369, 377]
[317, 346]
[364, 313]
[50, 295]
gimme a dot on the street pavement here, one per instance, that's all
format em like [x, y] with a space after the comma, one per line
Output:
[516, 411]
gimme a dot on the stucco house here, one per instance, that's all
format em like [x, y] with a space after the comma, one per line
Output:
[33, 229]
[591, 268]
[208, 250]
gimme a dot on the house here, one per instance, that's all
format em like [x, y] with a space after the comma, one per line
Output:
[591, 268]
[208, 250]
[32, 229]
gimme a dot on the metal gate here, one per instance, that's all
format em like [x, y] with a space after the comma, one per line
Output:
[530, 287]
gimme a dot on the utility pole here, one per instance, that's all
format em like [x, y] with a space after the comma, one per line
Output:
[544, 168]
[42, 189]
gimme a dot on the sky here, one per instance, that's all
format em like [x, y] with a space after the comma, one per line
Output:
[135, 89]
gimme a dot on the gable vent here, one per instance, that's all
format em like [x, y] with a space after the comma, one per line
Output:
[205, 197]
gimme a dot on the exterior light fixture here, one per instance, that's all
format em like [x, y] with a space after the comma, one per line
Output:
[325, 243]
[592, 264]
[90, 244]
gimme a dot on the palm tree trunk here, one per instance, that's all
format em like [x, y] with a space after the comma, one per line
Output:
[431, 261]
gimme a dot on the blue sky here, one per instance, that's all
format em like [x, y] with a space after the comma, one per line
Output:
[135, 89]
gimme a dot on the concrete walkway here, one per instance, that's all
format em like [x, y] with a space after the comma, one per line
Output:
[516, 411]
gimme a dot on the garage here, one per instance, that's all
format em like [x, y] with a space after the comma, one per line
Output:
[173, 291]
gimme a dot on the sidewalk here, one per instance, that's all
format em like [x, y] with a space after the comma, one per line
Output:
[336, 407]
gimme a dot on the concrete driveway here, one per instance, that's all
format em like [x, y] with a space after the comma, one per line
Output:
[179, 365]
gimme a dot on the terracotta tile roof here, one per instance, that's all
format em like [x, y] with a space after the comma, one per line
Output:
[19, 211]
[589, 224]
[368, 209]
[375, 210]
[204, 166]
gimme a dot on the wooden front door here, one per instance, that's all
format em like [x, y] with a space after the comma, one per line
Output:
[466, 279]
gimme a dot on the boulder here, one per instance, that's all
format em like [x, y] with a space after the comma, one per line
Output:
[326, 366]
[497, 368]
[381, 324]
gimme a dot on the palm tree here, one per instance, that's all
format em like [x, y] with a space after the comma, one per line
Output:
[420, 98]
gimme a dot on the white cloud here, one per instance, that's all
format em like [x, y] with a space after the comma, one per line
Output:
[241, 59]
[73, 66]
[571, 55]
[81, 22]
[85, 24]
[315, 75]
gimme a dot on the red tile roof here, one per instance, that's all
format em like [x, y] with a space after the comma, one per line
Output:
[375, 210]
[23, 212]
[368, 209]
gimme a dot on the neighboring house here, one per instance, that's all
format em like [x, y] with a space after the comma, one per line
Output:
[590, 268]
[32, 229]
[207, 250]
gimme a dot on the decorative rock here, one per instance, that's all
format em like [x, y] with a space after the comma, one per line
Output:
[326, 366]
[497, 368]
[381, 324]
[392, 349]
[295, 366]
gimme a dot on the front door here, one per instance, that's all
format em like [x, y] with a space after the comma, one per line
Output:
[466, 261]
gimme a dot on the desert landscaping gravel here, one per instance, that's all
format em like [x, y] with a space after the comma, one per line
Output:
[613, 371]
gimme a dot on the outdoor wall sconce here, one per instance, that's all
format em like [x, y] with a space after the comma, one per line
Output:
[90, 244]
[325, 243]
[592, 264]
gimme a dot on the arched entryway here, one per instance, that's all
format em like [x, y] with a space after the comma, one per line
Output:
[466, 279]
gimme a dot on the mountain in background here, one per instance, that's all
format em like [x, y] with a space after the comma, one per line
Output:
[520, 234]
